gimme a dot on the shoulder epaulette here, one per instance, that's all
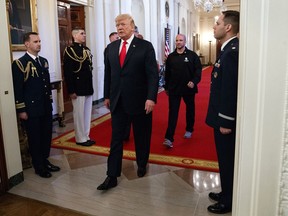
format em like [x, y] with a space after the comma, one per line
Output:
[26, 70]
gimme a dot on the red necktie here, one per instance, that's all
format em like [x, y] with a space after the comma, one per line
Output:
[123, 53]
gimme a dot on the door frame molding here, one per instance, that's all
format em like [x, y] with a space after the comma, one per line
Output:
[4, 183]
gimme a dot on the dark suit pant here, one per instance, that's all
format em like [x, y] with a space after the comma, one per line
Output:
[39, 133]
[127, 130]
[225, 147]
[142, 127]
[174, 105]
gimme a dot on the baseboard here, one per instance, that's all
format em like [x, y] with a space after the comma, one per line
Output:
[16, 179]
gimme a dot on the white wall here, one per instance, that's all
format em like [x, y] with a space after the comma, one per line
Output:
[139, 13]
[263, 75]
[7, 102]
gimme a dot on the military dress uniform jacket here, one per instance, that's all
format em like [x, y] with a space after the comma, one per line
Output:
[224, 82]
[32, 88]
[180, 69]
[78, 70]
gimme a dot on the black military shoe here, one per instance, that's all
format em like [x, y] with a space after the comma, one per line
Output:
[219, 208]
[52, 168]
[92, 142]
[44, 173]
[87, 143]
[215, 196]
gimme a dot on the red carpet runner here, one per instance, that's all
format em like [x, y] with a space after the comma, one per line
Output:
[196, 153]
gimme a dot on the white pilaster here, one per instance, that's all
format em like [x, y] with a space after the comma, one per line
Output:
[261, 107]
[50, 48]
[125, 6]
[7, 103]
[95, 40]
[154, 26]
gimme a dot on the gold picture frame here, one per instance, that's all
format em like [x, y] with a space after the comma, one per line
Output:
[22, 15]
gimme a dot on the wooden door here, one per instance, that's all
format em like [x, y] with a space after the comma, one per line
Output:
[77, 17]
[68, 18]
[65, 38]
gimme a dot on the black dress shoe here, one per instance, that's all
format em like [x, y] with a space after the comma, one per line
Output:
[219, 208]
[87, 143]
[92, 142]
[109, 182]
[215, 196]
[141, 171]
[52, 168]
[44, 173]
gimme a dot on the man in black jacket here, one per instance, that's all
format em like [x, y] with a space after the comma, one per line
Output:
[78, 78]
[183, 73]
[33, 99]
[222, 107]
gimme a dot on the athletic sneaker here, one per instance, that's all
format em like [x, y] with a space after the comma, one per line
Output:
[168, 143]
[187, 135]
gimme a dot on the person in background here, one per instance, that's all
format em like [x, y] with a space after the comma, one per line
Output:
[222, 107]
[136, 31]
[77, 65]
[130, 91]
[140, 36]
[33, 99]
[183, 73]
[113, 36]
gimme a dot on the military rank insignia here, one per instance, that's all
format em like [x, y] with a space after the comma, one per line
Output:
[217, 64]
[46, 64]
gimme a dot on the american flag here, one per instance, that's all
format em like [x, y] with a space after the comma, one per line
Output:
[167, 48]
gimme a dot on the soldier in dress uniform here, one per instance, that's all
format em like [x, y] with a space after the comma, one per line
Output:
[222, 107]
[33, 100]
[78, 77]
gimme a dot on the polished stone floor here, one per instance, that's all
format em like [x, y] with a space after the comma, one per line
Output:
[164, 191]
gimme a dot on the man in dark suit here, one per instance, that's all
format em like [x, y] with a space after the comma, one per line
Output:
[130, 92]
[222, 107]
[33, 100]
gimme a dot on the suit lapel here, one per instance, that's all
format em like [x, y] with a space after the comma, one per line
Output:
[115, 49]
[131, 49]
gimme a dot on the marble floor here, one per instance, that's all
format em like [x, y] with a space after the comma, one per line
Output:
[163, 191]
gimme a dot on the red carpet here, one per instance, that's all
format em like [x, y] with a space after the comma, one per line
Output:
[197, 153]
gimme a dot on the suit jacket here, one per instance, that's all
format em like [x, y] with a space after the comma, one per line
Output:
[32, 88]
[136, 81]
[224, 83]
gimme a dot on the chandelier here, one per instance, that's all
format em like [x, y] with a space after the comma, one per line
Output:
[208, 5]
